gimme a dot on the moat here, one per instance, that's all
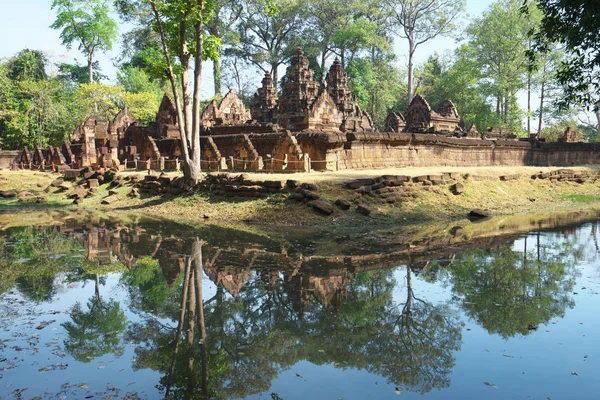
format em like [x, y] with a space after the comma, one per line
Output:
[95, 308]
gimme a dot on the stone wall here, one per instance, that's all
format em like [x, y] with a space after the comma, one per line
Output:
[7, 157]
[422, 150]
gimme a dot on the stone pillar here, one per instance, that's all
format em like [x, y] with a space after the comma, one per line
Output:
[260, 164]
[222, 163]
[161, 164]
[231, 163]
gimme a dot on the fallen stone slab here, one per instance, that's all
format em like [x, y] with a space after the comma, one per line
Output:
[93, 183]
[309, 194]
[355, 184]
[477, 213]
[71, 174]
[364, 209]
[78, 192]
[321, 206]
[65, 186]
[57, 182]
[343, 204]
[457, 188]
[110, 200]
[310, 186]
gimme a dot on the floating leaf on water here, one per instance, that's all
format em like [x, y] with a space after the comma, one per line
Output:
[398, 390]
[83, 386]
[44, 324]
[490, 384]
[299, 376]
[574, 373]
[101, 366]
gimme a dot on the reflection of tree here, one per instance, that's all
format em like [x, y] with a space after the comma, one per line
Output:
[505, 290]
[410, 344]
[97, 330]
[149, 290]
[39, 254]
[249, 339]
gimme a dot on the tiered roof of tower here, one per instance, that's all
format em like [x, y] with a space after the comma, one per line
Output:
[230, 111]
[354, 119]
[337, 86]
[299, 90]
[264, 105]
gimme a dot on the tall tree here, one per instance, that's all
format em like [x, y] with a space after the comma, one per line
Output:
[420, 21]
[220, 28]
[265, 31]
[180, 25]
[87, 23]
[499, 40]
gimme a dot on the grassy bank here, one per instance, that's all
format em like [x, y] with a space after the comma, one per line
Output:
[483, 189]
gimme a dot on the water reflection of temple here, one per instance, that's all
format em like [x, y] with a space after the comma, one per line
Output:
[305, 279]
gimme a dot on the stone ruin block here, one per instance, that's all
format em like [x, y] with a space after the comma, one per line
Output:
[395, 122]
[570, 136]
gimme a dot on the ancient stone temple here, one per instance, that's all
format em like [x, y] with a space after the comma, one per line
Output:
[166, 118]
[308, 127]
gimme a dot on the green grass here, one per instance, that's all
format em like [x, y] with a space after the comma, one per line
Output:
[582, 198]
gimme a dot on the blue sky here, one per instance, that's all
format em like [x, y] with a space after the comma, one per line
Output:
[26, 24]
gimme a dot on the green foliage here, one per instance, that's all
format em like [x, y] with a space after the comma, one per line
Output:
[35, 111]
[28, 65]
[74, 74]
[507, 290]
[95, 331]
[573, 24]
[110, 99]
[87, 23]
[150, 292]
[376, 86]
[264, 36]
[31, 257]
[499, 41]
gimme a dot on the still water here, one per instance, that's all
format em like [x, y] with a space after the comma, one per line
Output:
[100, 310]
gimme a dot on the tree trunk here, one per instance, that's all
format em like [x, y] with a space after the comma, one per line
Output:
[217, 76]
[411, 54]
[190, 335]
[179, 325]
[97, 289]
[90, 69]
[275, 74]
[197, 257]
[528, 102]
[541, 117]
[172, 79]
